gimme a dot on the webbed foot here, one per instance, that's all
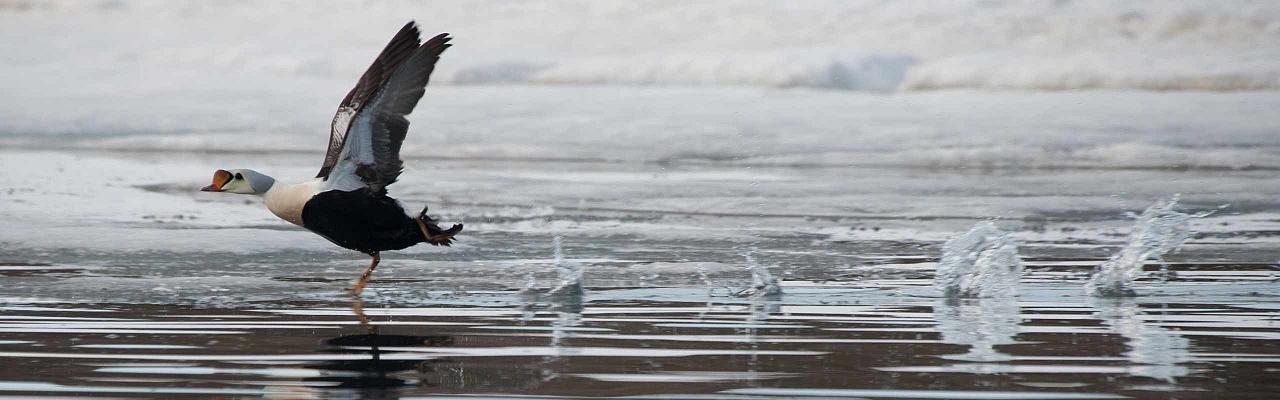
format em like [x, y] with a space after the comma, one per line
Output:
[432, 232]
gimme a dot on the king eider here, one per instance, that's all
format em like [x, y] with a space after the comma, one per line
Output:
[347, 202]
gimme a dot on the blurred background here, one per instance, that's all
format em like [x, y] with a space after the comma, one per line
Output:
[834, 82]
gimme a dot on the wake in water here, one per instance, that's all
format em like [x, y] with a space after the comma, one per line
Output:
[982, 262]
[1158, 231]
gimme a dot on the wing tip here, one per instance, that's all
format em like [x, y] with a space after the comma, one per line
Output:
[439, 39]
[412, 24]
[437, 44]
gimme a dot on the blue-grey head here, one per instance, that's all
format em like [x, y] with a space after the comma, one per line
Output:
[243, 181]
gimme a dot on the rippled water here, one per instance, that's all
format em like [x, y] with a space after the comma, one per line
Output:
[879, 338]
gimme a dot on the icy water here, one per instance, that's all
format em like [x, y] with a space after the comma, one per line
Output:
[121, 280]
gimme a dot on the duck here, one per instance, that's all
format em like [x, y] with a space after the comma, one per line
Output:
[347, 202]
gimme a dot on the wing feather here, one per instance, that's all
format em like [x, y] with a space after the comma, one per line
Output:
[402, 46]
[371, 150]
[397, 100]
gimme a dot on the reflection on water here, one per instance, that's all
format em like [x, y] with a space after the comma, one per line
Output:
[1157, 352]
[814, 340]
[980, 324]
[372, 373]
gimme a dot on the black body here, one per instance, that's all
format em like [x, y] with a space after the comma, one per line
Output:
[362, 220]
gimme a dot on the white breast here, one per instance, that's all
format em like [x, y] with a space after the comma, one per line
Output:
[286, 201]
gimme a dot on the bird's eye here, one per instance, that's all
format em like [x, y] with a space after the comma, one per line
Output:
[238, 176]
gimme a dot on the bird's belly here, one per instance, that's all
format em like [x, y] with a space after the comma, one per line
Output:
[360, 220]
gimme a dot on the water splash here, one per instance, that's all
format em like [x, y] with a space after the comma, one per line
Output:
[706, 280]
[530, 283]
[763, 283]
[982, 262]
[1158, 231]
[569, 274]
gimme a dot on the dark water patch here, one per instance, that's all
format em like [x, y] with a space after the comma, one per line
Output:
[622, 342]
[1237, 234]
[38, 269]
[324, 279]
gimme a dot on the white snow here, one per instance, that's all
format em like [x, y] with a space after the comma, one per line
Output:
[858, 44]
[738, 80]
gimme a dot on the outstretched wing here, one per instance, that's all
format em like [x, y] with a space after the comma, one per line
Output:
[401, 46]
[370, 125]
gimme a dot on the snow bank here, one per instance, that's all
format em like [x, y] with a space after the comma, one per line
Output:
[876, 72]
[669, 81]
[847, 45]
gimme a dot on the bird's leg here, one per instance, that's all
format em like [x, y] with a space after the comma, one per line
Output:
[357, 306]
[364, 277]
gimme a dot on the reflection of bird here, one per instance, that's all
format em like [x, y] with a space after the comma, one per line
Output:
[347, 203]
[373, 372]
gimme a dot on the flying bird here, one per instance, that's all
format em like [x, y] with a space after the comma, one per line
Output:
[347, 202]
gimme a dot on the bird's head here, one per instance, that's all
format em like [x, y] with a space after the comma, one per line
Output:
[243, 181]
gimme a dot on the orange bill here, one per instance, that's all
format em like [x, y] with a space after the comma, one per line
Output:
[220, 179]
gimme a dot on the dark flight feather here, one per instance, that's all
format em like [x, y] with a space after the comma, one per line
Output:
[401, 47]
[396, 100]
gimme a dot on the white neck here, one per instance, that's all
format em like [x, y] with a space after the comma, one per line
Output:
[286, 201]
